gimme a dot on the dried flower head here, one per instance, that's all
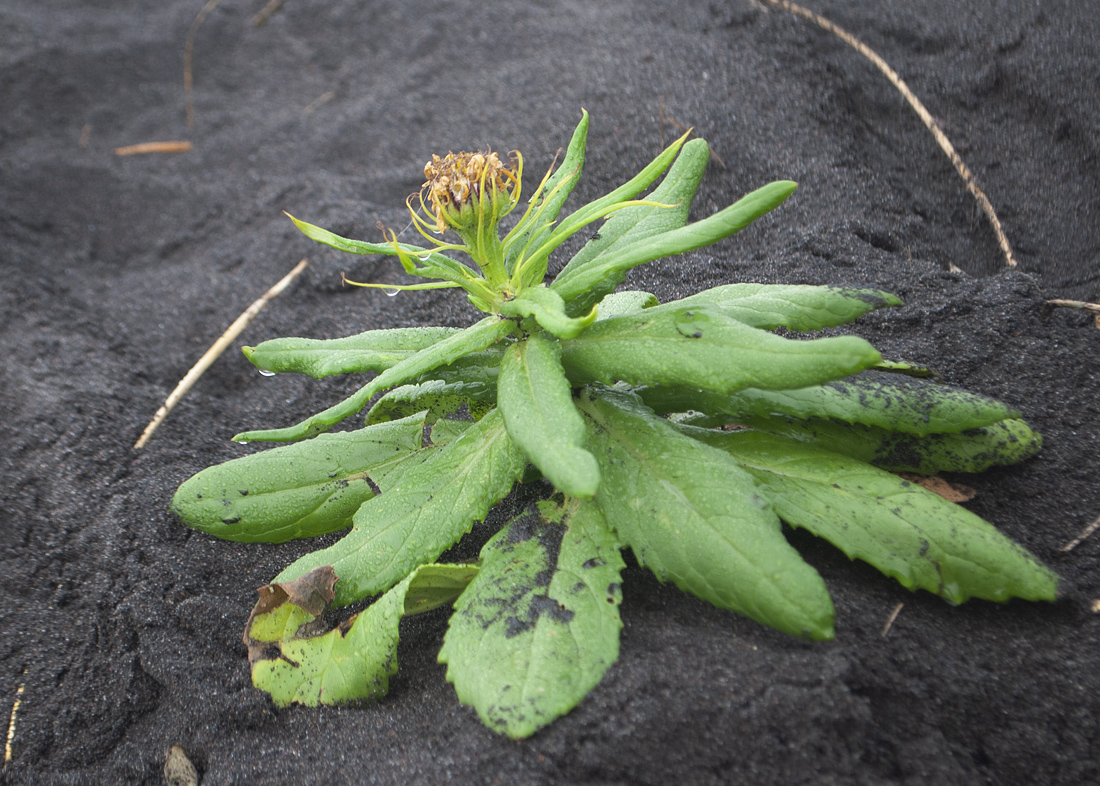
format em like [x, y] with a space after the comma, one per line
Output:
[461, 179]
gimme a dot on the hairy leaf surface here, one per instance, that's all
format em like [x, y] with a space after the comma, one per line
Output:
[417, 261]
[477, 368]
[976, 450]
[374, 350]
[439, 398]
[604, 274]
[548, 309]
[537, 404]
[627, 191]
[702, 347]
[628, 301]
[798, 307]
[539, 626]
[297, 491]
[632, 224]
[431, 507]
[475, 338]
[873, 398]
[919, 538]
[547, 206]
[445, 430]
[694, 517]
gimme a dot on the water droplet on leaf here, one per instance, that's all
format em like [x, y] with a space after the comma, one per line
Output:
[267, 373]
[692, 324]
[390, 292]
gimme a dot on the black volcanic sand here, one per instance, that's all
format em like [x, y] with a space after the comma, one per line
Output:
[118, 272]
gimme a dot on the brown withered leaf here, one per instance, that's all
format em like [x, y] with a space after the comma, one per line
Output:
[952, 492]
[311, 593]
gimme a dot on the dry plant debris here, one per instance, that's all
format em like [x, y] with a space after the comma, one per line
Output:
[952, 492]
[11, 723]
[215, 351]
[919, 108]
[152, 147]
[1086, 532]
[890, 620]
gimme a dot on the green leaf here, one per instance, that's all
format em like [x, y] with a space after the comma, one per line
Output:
[530, 268]
[798, 307]
[434, 264]
[432, 586]
[297, 491]
[434, 504]
[350, 246]
[547, 203]
[352, 662]
[548, 309]
[628, 301]
[475, 338]
[537, 404]
[976, 450]
[628, 190]
[909, 369]
[539, 626]
[911, 534]
[478, 370]
[604, 274]
[439, 398]
[695, 518]
[375, 350]
[702, 347]
[633, 224]
[445, 430]
[895, 402]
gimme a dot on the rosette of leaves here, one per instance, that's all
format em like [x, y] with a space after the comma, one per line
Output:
[685, 431]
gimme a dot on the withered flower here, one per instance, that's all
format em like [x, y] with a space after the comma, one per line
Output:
[464, 189]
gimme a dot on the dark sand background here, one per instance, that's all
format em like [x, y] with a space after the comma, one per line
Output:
[116, 273]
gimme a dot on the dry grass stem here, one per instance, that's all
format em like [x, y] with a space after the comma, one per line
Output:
[11, 723]
[188, 51]
[260, 19]
[1093, 307]
[153, 147]
[890, 621]
[320, 101]
[1086, 532]
[919, 108]
[216, 350]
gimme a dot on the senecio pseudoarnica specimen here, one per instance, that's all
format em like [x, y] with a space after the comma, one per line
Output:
[685, 431]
